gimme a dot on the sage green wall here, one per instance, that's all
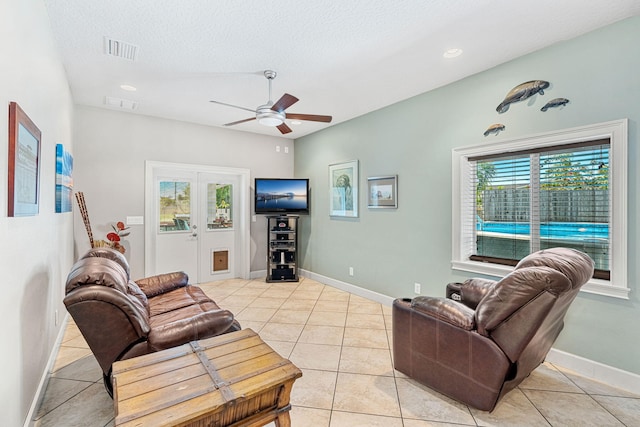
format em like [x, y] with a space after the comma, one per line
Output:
[390, 250]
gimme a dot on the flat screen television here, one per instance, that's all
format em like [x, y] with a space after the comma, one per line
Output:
[281, 195]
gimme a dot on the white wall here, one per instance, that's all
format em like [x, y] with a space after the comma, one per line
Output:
[35, 251]
[110, 153]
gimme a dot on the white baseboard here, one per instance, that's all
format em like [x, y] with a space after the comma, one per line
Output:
[596, 371]
[587, 368]
[257, 274]
[44, 379]
[365, 293]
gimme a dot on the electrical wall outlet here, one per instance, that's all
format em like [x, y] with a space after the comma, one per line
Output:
[416, 288]
[350, 271]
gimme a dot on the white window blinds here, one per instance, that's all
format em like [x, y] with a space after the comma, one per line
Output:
[534, 199]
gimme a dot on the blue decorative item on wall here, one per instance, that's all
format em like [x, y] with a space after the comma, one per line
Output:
[64, 180]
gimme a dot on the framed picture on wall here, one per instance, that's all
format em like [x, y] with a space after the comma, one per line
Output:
[382, 192]
[23, 163]
[343, 189]
[64, 180]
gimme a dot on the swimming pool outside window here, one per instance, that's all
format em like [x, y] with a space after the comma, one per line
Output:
[560, 189]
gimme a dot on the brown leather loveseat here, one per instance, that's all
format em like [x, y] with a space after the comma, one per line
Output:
[121, 319]
[482, 343]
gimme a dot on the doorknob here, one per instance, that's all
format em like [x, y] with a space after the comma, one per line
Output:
[194, 227]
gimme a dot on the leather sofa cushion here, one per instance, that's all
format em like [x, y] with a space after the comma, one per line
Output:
[162, 283]
[180, 298]
[194, 327]
[182, 313]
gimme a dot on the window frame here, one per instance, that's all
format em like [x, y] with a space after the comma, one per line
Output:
[617, 132]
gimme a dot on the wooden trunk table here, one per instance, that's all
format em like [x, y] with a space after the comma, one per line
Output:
[233, 379]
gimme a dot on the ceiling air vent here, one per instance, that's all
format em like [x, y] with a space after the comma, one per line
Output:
[120, 49]
[125, 104]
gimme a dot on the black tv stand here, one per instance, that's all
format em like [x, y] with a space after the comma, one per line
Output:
[282, 248]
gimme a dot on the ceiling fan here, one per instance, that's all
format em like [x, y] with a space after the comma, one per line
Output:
[273, 114]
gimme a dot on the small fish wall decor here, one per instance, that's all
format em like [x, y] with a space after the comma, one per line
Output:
[521, 92]
[494, 128]
[555, 102]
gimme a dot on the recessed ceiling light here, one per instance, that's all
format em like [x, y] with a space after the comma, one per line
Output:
[452, 53]
[129, 88]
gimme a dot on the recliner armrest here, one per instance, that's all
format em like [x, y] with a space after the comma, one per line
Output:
[162, 283]
[471, 292]
[446, 310]
[453, 291]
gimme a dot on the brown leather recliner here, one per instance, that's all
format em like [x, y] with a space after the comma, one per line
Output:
[480, 345]
[121, 319]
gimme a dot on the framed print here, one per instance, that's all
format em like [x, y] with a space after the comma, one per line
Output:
[343, 189]
[64, 181]
[382, 192]
[24, 163]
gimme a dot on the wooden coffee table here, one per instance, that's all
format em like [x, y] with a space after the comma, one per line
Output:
[233, 379]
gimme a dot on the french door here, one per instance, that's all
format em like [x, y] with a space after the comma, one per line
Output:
[197, 221]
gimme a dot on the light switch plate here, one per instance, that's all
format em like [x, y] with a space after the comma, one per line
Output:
[135, 220]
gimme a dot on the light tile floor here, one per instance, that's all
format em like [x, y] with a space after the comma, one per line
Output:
[342, 342]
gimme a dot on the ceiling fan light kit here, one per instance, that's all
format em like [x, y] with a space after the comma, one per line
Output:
[273, 114]
[266, 116]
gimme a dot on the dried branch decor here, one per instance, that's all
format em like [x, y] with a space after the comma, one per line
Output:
[85, 215]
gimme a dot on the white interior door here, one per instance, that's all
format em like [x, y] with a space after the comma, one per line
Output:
[197, 221]
[218, 236]
[175, 222]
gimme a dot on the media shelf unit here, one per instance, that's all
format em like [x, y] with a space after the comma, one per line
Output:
[282, 250]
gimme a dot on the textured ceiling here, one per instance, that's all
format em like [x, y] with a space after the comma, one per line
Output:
[339, 57]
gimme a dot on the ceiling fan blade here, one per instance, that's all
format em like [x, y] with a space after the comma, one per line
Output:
[284, 102]
[239, 121]
[309, 117]
[284, 129]
[234, 106]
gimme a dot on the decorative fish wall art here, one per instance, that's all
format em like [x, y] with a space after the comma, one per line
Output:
[494, 128]
[521, 92]
[555, 102]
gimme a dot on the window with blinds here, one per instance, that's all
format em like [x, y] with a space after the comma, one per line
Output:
[563, 188]
[536, 199]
